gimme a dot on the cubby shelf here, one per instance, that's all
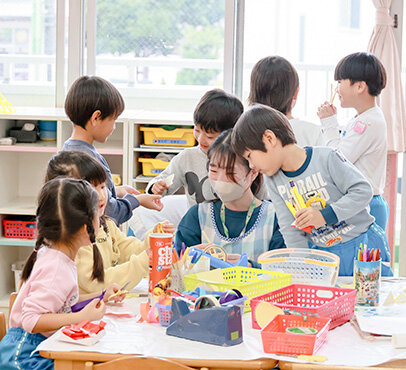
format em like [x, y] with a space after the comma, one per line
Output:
[23, 166]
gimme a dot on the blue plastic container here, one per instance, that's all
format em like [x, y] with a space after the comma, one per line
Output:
[47, 130]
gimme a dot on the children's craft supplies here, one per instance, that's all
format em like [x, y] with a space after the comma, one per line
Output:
[160, 258]
[276, 338]
[80, 305]
[212, 252]
[399, 340]
[368, 255]
[265, 312]
[367, 276]
[297, 203]
[307, 266]
[121, 291]
[249, 281]
[169, 180]
[301, 330]
[309, 300]
[221, 326]
[85, 333]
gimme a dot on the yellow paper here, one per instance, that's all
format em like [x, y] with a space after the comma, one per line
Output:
[265, 312]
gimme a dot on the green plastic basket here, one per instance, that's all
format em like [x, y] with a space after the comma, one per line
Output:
[249, 281]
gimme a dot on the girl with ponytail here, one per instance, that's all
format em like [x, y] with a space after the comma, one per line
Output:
[123, 259]
[67, 217]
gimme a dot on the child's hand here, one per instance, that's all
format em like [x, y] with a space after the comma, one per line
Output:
[326, 110]
[150, 201]
[309, 217]
[233, 258]
[167, 227]
[125, 189]
[111, 289]
[93, 311]
[159, 187]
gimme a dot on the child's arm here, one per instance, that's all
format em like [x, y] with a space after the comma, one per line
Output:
[127, 245]
[121, 209]
[357, 191]
[53, 321]
[131, 271]
[175, 168]
[189, 231]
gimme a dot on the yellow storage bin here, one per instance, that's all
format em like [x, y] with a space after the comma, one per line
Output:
[151, 166]
[176, 137]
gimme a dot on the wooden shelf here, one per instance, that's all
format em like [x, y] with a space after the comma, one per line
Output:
[38, 147]
[17, 242]
[110, 148]
[19, 206]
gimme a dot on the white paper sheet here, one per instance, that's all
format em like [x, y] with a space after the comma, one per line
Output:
[343, 346]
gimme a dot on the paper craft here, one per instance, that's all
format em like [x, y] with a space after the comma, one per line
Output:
[86, 333]
[169, 180]
[119, 310]
[399, 340]
[390, 300]
[265, 312]
[401, 298]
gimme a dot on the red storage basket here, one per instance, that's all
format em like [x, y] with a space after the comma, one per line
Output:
[20, 229]
[334, 303]
[275, 339]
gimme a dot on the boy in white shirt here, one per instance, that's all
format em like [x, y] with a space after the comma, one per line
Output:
[361, 78]
[275, 83]
[216, 112]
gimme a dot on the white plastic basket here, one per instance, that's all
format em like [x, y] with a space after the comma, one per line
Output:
[17, 268]
[307, 266]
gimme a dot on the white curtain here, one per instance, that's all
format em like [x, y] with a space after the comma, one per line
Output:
[382, 44]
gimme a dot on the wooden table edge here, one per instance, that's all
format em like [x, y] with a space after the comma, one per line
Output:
[261, 363]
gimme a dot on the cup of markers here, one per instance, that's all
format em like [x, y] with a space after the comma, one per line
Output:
[367, 276]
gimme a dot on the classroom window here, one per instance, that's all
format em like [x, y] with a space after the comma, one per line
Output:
[350, 13]
[27, 51]
[161, 53]
[310, 36]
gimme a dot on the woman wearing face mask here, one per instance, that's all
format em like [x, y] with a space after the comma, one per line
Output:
[238, 222]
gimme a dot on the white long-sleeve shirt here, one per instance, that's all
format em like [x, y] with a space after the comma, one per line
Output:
[306, 133]
[363, 142]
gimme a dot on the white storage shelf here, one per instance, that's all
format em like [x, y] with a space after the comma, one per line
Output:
[23, 169]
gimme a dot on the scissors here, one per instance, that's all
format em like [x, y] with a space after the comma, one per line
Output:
[120, 291]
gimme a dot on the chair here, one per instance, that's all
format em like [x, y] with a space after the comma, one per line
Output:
[137, 362]
[3, 328]
[3, 325]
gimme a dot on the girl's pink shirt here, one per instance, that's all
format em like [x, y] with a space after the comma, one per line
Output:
[51, 288]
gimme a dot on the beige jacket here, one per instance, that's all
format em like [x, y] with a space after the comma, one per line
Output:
[125, 258]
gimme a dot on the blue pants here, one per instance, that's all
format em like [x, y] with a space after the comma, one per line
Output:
[380, 210]
[374, 237]
[16, 348]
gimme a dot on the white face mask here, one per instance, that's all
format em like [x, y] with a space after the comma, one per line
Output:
[227, 191]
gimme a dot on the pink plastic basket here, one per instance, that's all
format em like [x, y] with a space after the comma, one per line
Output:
[275, 339]
[164, 314]
[334, 303]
